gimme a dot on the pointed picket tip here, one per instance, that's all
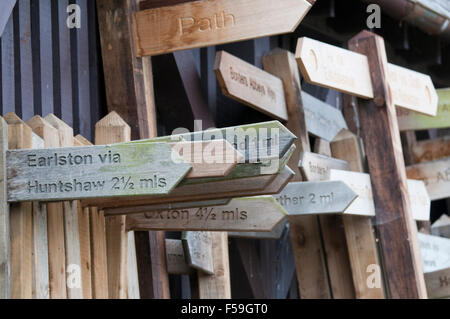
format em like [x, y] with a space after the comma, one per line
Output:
[58, 123]
[82, 140]
[37, 122]
[344, 134]
[12, 119]
[112, 119]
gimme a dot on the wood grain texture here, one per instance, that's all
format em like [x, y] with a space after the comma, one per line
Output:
[176, 258]
[55, 218]
[358, 230]
[316, 167]
[304, 231]
[99, 262]
[109, 130]
[21, 219]
[431, 150]
[5, 241]
[203, 23]
[250, 85]
[381, 136]
[217, 286]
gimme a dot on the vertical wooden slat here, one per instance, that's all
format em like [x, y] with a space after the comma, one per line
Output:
[359, 234]
[379, 127]
[20, 137]
[113, 129]
[55, 219]
[305, 232]
[71, 221]
[5, 269]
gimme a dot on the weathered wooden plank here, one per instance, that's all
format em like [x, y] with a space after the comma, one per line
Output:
[5, 248]
[409, 120]
[250, 85]
[436, 176]
[382, 143]
[431, 150]
[71, 221]
[241, 214]
[435, 252]
[322, 120]
[441, 227]
[198, 251]
[202, 23]
[438, 283]
[98, 254]
[316, 167]
[21, 219]
[217, 286]
[55, 219]
[132, 270]
[176, 258]
[274, 234]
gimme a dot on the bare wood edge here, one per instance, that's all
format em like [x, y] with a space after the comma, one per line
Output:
[5, 273]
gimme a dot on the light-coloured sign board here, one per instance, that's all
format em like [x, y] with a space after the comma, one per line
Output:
[94, 171]
[438, 283]
[436, 176]
[364, 204]
[435, 252]
[322, 120]
[205, 23]
[175, 258]
[250, 85]
[316, 167]
[250, 214]
[311, 198]
[198, 251]
[412, 121]
[348, 72]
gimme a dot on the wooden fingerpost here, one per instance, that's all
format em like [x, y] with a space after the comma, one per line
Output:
[335, 244]
[71, 222]
[55, 219]
[99, 269]
[305, 235]
[113, 129]
[21, 219]
[380, 132]
[358, 230]
[5, 280]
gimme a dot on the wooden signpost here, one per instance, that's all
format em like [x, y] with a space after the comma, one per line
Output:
[349, 72]
[435, 174]
[250, 85]
[205, 23]
[252, 214]
[311, 198]
[438, 283]
[322, 120]
[411, 121]
[316, 167]
[198, 250]
[435, 252]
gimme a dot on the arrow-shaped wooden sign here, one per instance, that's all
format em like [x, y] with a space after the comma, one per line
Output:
[274, 234]
[94, 171]
[364, 204]
[436, 176]
[206, 23]
[253, 214]
[175, 258]
[316, 167]
[322, 120]
[411, 121]
[348, 72]
[311, 198]
[441, 227]
[250, 85]
[198, 251]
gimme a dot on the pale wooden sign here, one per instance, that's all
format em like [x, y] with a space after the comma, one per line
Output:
[250, 85]
[310, 198]
[206, 23]
[333, 67]
[274, 234]
[364, 204]
[412, 90]
[435, 252]
[94, 171]
[436, 176]
[431, 150]
[410, 121]
[175, 258]
[441, 227]
[322, 120]
[250, 214]
[348, 72]
[316, 167]
[198, 251]
[438, 283]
